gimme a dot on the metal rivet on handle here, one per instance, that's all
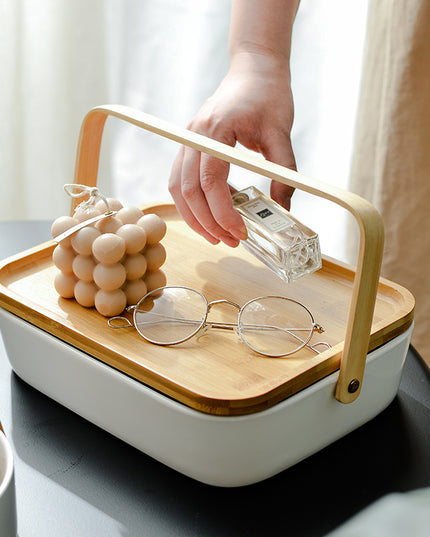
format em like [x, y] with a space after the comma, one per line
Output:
[353, 385]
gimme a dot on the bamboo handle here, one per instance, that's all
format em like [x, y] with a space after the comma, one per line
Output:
[370, 222]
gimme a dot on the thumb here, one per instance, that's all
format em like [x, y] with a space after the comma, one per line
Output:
[281, 194]
[280, 152]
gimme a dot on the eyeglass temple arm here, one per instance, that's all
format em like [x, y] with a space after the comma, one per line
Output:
[368, 219]
[290, 331]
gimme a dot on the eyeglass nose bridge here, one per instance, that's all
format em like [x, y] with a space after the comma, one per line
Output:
[210, 324]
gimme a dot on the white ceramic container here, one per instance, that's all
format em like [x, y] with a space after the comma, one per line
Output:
[226, 451]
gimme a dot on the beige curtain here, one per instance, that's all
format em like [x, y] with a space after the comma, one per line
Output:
[391, 162]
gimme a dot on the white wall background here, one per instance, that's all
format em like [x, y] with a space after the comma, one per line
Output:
[60, 58]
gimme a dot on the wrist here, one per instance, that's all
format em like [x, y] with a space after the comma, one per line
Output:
[256, 59]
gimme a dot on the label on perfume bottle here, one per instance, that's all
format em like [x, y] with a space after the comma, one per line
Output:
[267, 215]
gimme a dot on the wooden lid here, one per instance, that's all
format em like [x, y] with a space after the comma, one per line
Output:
[216, 373]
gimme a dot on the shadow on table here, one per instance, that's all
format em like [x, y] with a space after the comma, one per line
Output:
[309, 499]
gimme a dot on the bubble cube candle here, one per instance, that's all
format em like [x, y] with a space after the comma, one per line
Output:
[111, 263]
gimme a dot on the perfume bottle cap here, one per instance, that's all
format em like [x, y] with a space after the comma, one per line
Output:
[240, 198]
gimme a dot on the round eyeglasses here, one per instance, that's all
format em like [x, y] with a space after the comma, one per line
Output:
[274, 326]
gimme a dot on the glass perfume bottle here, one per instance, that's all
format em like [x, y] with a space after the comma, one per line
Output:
[275, 237]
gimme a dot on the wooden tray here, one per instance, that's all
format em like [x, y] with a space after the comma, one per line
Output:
[216, 373]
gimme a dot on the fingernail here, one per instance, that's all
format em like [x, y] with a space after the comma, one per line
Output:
[241, 234]
[213, 240]
[229, 240]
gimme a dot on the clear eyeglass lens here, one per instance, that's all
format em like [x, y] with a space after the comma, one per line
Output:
[275, 326]
[170, 315]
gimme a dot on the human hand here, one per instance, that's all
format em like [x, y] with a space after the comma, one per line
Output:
[252, 106]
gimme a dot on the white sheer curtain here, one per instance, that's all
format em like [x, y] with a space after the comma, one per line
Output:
[170, 57]
[53, 57]
[59, 58]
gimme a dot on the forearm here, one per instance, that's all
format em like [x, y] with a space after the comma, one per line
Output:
[262, 27]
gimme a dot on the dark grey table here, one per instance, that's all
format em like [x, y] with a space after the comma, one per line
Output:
[75, 480]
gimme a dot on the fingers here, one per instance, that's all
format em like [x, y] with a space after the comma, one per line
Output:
[213, 181]
[198, 184]
[175, 188]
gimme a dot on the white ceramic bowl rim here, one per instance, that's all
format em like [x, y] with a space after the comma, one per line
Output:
[6, 453]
